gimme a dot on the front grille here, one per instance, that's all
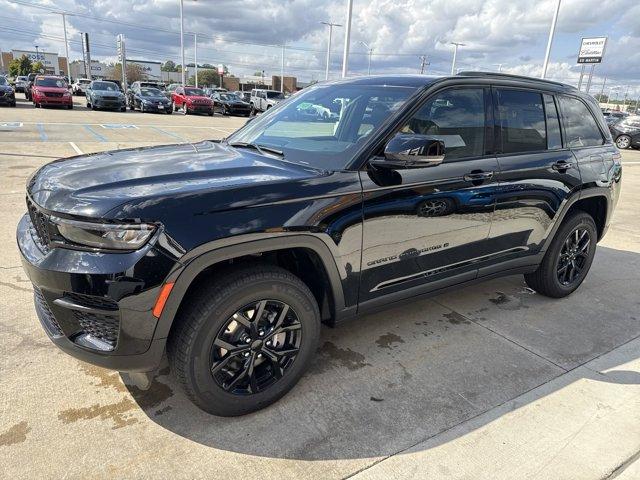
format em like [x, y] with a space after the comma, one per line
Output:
[102, 327]
[110, 98]
[44, 313]
[52, 94]
[91, 301]
[40, 222]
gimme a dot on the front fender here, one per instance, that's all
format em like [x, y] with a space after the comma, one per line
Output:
[193, 263]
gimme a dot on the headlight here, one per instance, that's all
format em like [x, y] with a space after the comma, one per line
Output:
[104, 235]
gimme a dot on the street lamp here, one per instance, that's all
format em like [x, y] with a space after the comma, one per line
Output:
[550, 41]
[182, 39]
[66, 45]
[370, 52]
[455, 54]
[347, 39]
[330, 25]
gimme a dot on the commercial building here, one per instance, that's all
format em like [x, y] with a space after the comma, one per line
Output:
[53, 64]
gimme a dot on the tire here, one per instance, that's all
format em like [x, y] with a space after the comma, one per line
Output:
[207, 316]
[623, 141]
[546, 279]
[69, 107]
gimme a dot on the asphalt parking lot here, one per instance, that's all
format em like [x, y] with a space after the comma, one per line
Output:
[492, 381]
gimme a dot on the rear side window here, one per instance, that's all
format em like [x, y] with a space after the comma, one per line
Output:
[581, 129]
[521, 120]
[554, 140]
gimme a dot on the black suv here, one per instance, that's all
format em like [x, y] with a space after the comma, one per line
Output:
[228, 255]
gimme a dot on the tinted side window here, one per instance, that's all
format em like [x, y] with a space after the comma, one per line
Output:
[554, 140]
[521, 120]
[580, 127]
[456, 117]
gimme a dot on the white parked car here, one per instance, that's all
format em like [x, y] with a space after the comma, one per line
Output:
[79, 87]
[21, 83]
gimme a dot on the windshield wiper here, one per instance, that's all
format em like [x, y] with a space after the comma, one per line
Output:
[259, 148]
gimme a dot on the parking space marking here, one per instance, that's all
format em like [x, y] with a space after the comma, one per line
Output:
[138, 125]
[173, 135]
[43, 134]
[75, 147]
[117, 125]
[95, 134]
[10, 124]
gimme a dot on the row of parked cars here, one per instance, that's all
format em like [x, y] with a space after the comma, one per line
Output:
[45, 90]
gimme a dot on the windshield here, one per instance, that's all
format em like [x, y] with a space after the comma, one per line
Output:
[150, 92]
[51, 82]
[323, 126]
[633, 122]
[108, 86]
[194, 92]
[228, 97]
[3, 81]
[21, 79]
[275, 95]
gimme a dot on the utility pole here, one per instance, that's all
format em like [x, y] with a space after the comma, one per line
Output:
[550, 41]
[330, 25]
[195, 55]
[66, 44]
[282, 71]
[626, 92]
[365, 45]
[423, 64]
[455, 54]
[602, 89]
[184, 66]
[347, 39]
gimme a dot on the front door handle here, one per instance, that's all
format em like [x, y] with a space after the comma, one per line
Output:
[562, 166]
[477, 177]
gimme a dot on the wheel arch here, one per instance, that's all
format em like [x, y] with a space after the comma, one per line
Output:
[303, 255]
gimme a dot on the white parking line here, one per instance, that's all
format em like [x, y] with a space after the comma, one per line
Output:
[75, 147]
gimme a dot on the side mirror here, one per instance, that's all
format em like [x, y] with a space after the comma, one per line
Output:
[412, 151]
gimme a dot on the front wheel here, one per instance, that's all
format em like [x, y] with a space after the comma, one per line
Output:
[568, 259]
[244, 342]
[623, 141]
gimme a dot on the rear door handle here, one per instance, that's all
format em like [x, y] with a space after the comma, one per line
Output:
[562, 166]
[477, 176]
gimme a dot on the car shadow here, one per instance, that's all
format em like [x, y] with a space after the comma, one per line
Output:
[388, 381]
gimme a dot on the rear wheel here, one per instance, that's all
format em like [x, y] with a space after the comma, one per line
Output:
[623, 141]
[568, 259]
[244, 342]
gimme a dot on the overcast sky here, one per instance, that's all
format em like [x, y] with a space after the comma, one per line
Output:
[243, 34]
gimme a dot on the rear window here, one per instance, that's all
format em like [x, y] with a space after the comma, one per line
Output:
[581, 129]
[522, 123]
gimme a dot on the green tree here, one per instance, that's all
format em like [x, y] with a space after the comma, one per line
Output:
[37, 67]
[14, 67]
[209, 77]
[169, 66]
[20, 66]
[134, 72]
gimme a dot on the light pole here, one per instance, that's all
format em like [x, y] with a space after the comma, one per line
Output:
[330, 25]
[550, 41]
[423, 63]
[499, 65]
[282, 71]
[182, 40]
[347, 39]
[195, 55]
[66, 44]
[455, 54]
[370, 53]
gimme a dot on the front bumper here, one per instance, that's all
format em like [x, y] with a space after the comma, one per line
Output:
[200, 108]
[114, 104]
[97, 307]
[151, 107]
[44, 100]
[7, 99]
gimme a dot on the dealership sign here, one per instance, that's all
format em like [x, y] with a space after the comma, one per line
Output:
[592, 50]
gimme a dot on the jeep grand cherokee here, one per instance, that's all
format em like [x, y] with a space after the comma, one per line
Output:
[228, 255]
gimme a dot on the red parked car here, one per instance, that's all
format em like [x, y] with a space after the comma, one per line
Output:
[191, 100]
[50, 90]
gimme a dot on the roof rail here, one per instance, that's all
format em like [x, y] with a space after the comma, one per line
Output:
[515, 77]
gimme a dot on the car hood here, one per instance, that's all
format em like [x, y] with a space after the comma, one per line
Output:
[159, 98]
[93, 185]
[198, 97]
[106, 93]
[235, 102]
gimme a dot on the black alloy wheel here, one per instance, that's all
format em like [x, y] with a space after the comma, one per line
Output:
[255, 347]
[568, 257]
[573, 256]
[244, 338]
